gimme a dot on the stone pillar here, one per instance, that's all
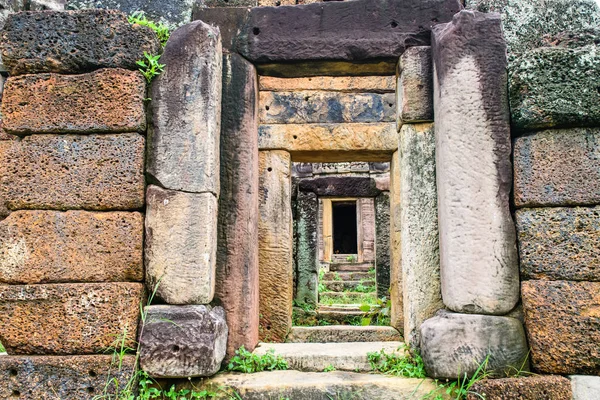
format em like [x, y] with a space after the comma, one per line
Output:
[366, 209]
[275, 249]
[419, 225]
[397, 312]
[307, 269]
[237, 251]
[382, 245]
[414, 92]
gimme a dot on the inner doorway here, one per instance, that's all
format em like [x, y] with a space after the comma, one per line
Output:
[345, 240]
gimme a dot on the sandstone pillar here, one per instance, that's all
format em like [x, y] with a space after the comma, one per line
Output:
[307, 271]
[415, 86]
[382, 245]
[397, 317]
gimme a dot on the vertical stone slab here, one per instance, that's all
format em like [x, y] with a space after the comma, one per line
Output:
[419, 223]
[367, 220]
[275, 251]
[307, 269]
[397, 312]
[181, 245]
[237, 252]
[478, 254]
[382, 244]
[414, 93]
[183, 139]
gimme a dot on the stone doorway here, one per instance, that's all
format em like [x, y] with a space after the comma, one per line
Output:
[344, 228]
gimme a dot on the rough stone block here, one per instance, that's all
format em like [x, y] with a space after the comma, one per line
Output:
[73, 41]
[183, 139]
[183, 341]
[306, 107]
[331, 142]
[349, 30]
[307, 267]
[275, 241]
[345, 84]
[92, 172]
[226, 3]
[530, 388]
[340, 186]
[559, 243]
[557, 168]
[354, 168]
[62, 377]
[585, 387]
[74, 246]
[419, 225]
[75, 318]
[555, 87]
[237, 253]
[382, 244]
[478, 253]
[104, 101]
[415, 86]
[396, 295]
[563, 326]
[456, 344]
[229, 20]
[181, 245]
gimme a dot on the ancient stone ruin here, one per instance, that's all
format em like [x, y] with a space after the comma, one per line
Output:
[353, 199]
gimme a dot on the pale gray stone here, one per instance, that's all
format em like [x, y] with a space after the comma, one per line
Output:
[414, 93]
[478, 254]
[43, 5]
[456, 344]
[183, 341]
[343, 334]
[419, 225]
[183, 139]
[585, 387]
[181, 245]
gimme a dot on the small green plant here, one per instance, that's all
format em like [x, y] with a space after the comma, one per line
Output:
[397, 364]
[379, 315]
[150, 67]
[2, 349]
[163, 31]
[336, 276]
[247, 362]
[351, 258]
[461, 388]
[329, 368]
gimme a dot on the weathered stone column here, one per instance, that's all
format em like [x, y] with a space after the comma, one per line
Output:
[382, 245]
[397, 312]
[237, 252]
[275, 245]
[307, 271]
[478, 254]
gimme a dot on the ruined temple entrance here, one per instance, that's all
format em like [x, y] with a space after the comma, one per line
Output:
[344, 227]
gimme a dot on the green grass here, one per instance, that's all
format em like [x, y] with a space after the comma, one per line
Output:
[162, 31]
[369, 298]
[397, 364]
[247, 362]
[2, 349]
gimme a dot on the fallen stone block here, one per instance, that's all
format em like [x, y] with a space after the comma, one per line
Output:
[563, 326]
[181, 245]
[453, 345]
[183, 139]
[585, 387]
[478, 253]
[103, 101]
[557, 168]
[73, 42]
[530, 388]
[344, 84]
[61, 172]
[183, 341]
[415, 86]
[74, 246]
[63, 377]
[74, 318]
[559, 243]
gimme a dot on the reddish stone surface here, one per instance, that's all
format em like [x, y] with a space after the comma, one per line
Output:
[562, 320]
[93, 172]
[107, 100]
[63, 319]
[61, 377]
[72, 246]
[530, 388]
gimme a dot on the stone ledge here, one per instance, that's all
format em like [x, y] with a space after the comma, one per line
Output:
[344, 84]
[530, 388]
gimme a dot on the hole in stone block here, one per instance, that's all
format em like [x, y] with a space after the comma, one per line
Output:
[16, 393]
[394, 24]
[295, 136]
[256, 31]
[267, 108]
[269, 169]
[90, 389]
[93, 374]
[13, 372]
[175, 348]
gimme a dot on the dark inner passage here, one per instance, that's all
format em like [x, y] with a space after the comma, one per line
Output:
[344, 228]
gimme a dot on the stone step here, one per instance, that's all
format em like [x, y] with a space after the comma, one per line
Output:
[315, 357]
[295, 385]
[351, 267]
[340, 307]
[347, 297]
[342, 334]
[340, 286]
[348, 276]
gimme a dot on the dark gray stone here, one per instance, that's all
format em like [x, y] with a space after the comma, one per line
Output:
[73, 42]
[456, 344]
[183, 341]
[349, 30]
[302, 170]
[229, 20]
[340, 186]
[307, 267]
[382, 244]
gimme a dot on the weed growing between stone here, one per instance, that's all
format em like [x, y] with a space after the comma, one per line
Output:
[149, 66]
[329, 368]
[247, 362]
[2, 349]
[398, 364]
[461, 388]
[379, 315]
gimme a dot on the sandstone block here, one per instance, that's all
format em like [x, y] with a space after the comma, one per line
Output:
[183, 140]
[307, 267]
[415, 86]
[344, 84]
[585, 387]
[456, 344]
[75, 318]
[331, 142]
[563, 326]
[340, 186]
[104, 101]
[275, 246]
[349, 31]
[420, 260]
[478, 254]
[530, 388]
[229, 20]
[236, 284]
[307, 107]
[559, 243]
[183, 341]
[73, 42]
[557, 168]
[396, 295]
[355, 168]
[382, 244]
[181, 245]
[555, 87]
[343, 334]
[62, 377]
[93, 172]
[72, 246]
